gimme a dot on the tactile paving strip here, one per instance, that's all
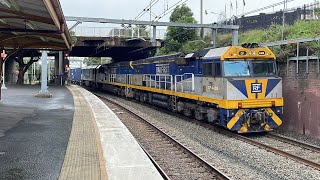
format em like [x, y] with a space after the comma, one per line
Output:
[82, 156]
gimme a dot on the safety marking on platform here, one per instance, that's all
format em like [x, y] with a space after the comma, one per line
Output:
[83, 156]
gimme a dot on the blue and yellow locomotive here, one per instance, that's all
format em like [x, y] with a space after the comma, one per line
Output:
[236, 87]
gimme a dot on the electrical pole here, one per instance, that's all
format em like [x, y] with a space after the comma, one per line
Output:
[150, 18]
[283, 17]
[3, 71]
[201, 17]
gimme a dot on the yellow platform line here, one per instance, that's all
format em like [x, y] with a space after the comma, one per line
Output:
[83, 159]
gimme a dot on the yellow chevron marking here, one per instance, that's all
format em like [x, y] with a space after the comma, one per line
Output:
[235, 119]
[248, 88]
[243, 129]
[274, 117]
[264, 88]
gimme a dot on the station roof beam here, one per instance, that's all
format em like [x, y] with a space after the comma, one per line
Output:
[33, 24]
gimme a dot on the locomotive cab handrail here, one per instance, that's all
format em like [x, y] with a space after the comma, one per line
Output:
[159, 81]
[182, 80]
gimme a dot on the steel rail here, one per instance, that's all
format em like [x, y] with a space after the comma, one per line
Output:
[218, 173]
[247, 140]
[277, 151]
[294, 142]
[161, 171]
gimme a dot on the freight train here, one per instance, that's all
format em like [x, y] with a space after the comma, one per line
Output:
[236, 87]
[75, 75]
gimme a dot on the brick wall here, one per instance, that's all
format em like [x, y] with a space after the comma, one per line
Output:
[301, 92]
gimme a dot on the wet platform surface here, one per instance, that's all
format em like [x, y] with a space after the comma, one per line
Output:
[34, 132]
[72, 135]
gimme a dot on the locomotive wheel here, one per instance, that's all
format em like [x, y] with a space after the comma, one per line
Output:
[187, 112]
[198, 115]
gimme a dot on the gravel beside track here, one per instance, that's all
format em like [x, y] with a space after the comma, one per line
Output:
[297, 148]
[235, 158]
[301, 137]
[302, 153]
[174, 159]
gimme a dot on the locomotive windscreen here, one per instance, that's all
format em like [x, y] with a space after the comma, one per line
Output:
[244, 68]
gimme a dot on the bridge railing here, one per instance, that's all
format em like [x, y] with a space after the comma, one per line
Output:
[130, 32]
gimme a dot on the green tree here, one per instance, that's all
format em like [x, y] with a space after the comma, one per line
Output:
[23, 63]
[73, 37]
[92, 61]
[177, 36]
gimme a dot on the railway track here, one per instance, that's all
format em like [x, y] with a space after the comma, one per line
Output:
[173, 160]
[296, 150]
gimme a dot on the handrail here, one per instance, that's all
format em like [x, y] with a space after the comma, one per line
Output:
[157, 80]
[183, 80]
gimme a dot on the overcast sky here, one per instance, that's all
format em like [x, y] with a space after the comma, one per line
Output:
[129, 9]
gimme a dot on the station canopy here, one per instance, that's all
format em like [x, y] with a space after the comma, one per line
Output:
[33, 24]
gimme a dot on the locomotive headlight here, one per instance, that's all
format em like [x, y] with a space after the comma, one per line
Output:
[254, 53]
[280, 110]
[232, 114]
[270, 114]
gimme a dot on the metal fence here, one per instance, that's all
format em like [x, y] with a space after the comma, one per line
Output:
[264, 20]
[129, 32]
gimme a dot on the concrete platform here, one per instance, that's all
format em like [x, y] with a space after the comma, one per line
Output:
[35, 132]
[123, 157]
[72, 135]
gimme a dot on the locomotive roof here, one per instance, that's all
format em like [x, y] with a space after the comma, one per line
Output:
[158, 58]
[91, 67]
[239, 52]
[200, 53]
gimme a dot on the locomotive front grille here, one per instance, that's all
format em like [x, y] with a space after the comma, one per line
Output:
[257, 104]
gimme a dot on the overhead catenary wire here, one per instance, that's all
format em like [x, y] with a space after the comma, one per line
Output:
[143, 11]
[153, 2]
[170, 9]
[264, 8]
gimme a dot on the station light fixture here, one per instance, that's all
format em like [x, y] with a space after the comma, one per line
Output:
[6, 3]
[11, 4]
[29, 25]
[43, 39]
[3, 21]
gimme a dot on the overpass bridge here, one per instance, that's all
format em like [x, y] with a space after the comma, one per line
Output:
[125, 42]
[119, 48]
[128, 42]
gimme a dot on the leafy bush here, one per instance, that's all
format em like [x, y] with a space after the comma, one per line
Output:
[300, 29]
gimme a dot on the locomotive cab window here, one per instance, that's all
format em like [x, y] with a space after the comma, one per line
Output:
[212, 69]
[263, 68]
[236, 68]
[207, 69]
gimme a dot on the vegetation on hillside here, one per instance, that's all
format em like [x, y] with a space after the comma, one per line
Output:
[73, 37]
[300, 29]
[180, 39]
[187, 40]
